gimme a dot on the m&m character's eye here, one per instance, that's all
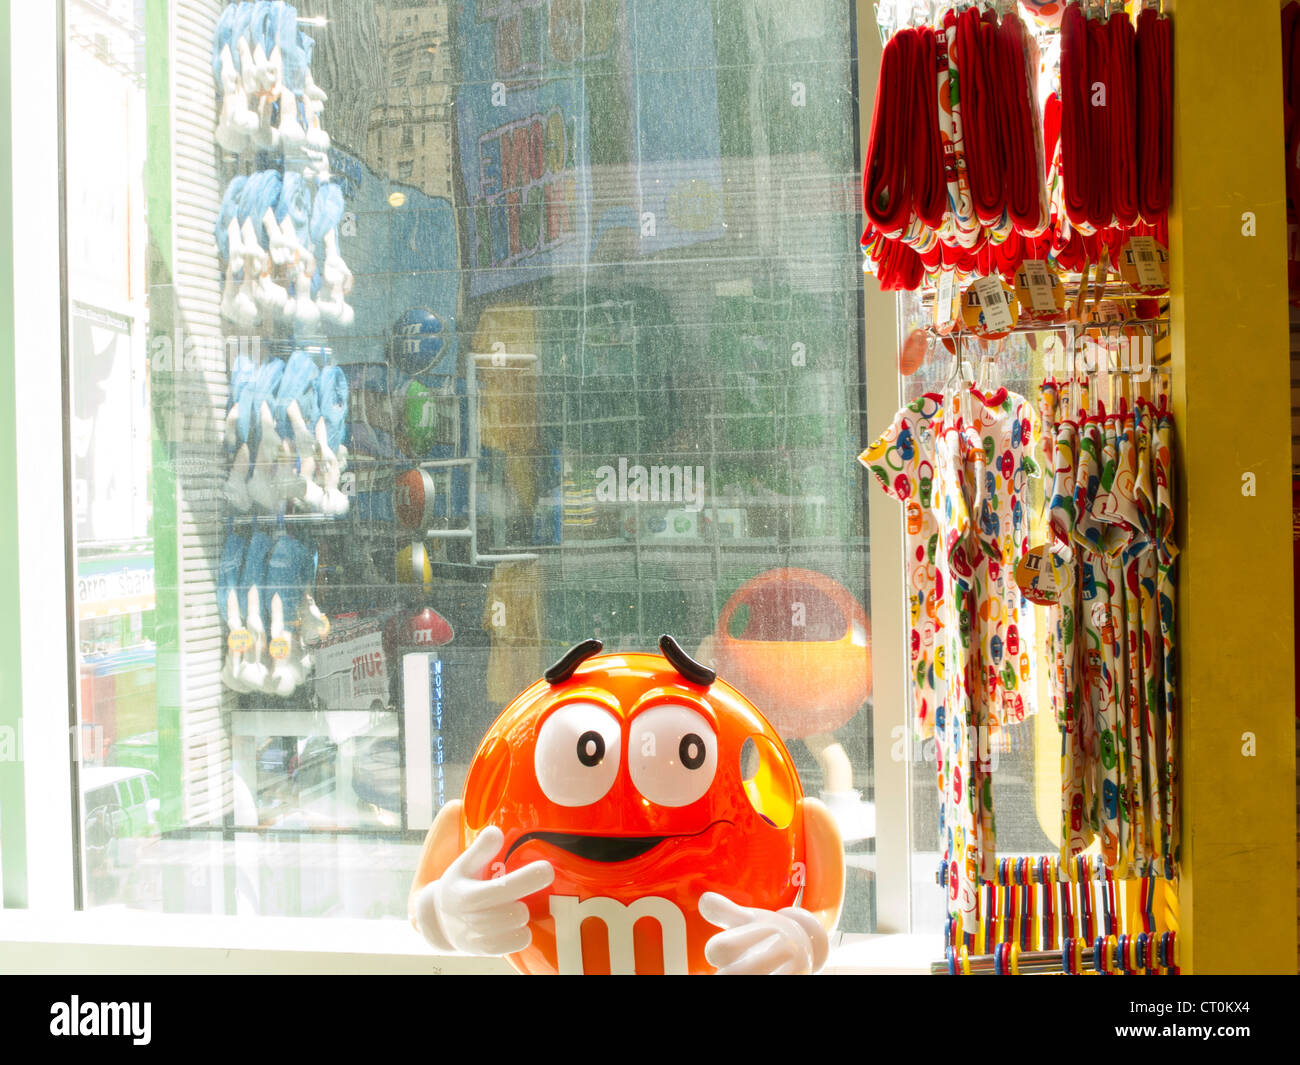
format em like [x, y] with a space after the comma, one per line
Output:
[577, 754]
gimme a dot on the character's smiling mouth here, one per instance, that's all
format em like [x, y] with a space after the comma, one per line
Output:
[601, 848]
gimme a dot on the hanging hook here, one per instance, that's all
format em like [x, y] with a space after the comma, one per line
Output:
[886, 20]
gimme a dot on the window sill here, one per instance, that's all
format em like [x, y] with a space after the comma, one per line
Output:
[108, 941]
[115, 942]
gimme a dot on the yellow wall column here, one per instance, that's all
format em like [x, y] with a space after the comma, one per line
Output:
[1232, 404]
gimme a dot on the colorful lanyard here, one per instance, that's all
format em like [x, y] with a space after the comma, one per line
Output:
[1154, 55]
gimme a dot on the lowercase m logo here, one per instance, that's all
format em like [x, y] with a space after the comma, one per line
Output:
[570, 912]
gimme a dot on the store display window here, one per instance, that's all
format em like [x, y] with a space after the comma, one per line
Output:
[450, 402]
[414, 343]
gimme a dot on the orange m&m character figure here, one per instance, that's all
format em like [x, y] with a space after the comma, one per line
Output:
[632, 813]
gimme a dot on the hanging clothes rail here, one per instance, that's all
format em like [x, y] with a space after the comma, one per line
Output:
[961, 462]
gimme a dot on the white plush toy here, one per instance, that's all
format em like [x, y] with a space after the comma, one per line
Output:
[314, 103]
[337, 280]
[264, 483]
[330, 470]
[255, 669]
[236, 123]
[292, 135]
[288, 665]
[279, 245]
[236, 489]
[234, 664]
[315, 626]
[249, 73]
[237, 302]
[317, 483]
[301, 308]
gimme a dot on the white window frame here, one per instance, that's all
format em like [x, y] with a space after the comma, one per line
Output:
[49, 935]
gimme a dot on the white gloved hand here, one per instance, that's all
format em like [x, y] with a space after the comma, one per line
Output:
[305, 486]
[314, 92]
[237, 295]
[266, 135]
[268, 294]
[460, 911]
[761, 942]
[230, 430]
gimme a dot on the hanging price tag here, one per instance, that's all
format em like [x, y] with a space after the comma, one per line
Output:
[279, 648]
[994, 304]
[240, 641]
[1042, 287]
[1146, 262]
[1109, 312]
[1044, 575]
[943, 313]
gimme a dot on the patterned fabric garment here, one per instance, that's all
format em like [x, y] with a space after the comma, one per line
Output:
[1089, 623]
[1129, 512]
[1001, 427]
[965, 792]
[961, 477]
[961, 207]
[1075, 832]
[1167, 553]
[1049, 394]
[1101, 610]
[902, 460]
[1112, 639]
[1149, 648]
[1115, 535]
[920, 462]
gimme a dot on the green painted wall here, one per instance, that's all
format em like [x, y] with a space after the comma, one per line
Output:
[158, 210]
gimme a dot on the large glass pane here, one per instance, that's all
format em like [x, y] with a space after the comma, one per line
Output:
[415, 342]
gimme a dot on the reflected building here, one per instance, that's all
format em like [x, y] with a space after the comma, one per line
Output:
[410, 132]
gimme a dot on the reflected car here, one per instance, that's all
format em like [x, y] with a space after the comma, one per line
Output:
[129, 797]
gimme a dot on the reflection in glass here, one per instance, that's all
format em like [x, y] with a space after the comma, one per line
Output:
[468, 331]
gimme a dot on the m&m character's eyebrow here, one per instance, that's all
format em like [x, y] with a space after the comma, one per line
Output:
[573, 658]
[692, 670]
